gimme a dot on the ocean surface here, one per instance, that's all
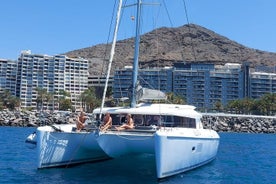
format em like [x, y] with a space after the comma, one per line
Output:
[242, 158]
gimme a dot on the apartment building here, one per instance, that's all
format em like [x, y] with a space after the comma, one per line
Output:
[202, 85]
[192, 81]
[8, 71]
[54, 73]
[262, 83]
[226, 84]
[99, 81]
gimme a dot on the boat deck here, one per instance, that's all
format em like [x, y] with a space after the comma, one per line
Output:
[141, 129]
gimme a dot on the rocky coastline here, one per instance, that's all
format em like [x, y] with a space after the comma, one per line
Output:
[34, 119]
[240, 123]
[217, 122]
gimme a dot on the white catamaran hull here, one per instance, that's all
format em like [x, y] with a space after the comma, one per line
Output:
[65, 148]
[176, 150]
[184, 150]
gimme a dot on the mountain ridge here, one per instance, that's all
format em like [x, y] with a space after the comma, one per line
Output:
[164, 46]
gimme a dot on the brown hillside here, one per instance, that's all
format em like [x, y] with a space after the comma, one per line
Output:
[164, 46]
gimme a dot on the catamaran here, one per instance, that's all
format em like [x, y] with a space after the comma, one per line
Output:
[177, 139]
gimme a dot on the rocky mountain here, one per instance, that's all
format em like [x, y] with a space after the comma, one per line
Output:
[165, 46]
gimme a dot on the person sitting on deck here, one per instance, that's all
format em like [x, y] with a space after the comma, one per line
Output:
[107, 122]
[81, 121]
[128, 125]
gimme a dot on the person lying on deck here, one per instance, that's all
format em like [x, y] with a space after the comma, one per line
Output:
[107, 122]
[128, 125]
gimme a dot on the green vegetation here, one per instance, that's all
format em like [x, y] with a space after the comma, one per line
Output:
[64, 101]
[176, 99]
[266, 105]
[90, 99]
[8, 101]
[43, 97]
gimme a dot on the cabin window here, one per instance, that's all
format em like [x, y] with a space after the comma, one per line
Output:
[148, 120]
[187, 122]
[176, 121]
[168, 121]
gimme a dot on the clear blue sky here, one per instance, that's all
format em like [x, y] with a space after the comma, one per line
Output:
[57, 26]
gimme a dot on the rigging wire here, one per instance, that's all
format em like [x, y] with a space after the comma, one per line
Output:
[189, 29]
[76, 150]
[179, 41]
[166, 9]
[105, 61]
[186, 12]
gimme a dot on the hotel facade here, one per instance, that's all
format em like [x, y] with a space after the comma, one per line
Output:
[54, 73]
[201, 85]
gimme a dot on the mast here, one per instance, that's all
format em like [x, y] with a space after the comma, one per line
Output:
[136, 54]
[111, 53]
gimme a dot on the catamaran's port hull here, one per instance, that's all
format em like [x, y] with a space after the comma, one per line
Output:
[55, 149]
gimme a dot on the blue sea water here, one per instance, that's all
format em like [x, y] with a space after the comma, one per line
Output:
[242, 158]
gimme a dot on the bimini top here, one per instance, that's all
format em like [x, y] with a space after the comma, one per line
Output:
[154, 109]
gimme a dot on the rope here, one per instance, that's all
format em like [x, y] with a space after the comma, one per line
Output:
[75, 151]
[77, 148]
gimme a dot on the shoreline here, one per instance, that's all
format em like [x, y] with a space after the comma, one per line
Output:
[219, 122]
[243, 123]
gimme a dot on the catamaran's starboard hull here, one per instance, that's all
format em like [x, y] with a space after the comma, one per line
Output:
[184, 150]
[56, 149]
[175, 150]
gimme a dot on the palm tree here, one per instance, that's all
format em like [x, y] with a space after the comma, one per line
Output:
[64, 101]
[269, 101]
[89, 99]
[42, 96]
[218, 106]
[234, 105]
[247, 105]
